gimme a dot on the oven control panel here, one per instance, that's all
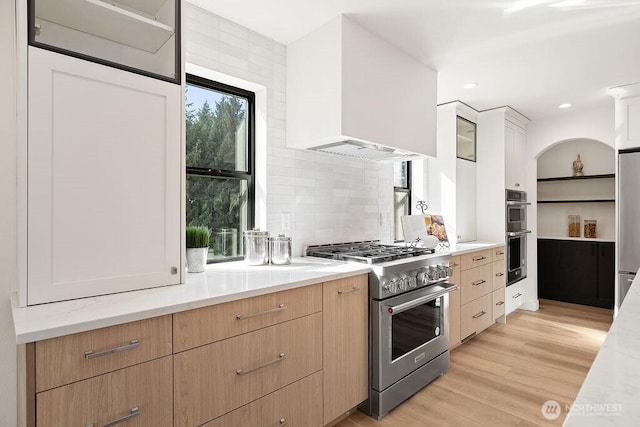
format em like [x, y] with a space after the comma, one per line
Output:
[417, 278]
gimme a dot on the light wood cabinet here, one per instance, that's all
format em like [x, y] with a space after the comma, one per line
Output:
[498, 253]
[498, 274]
[295, 405]
[90, 129]
[142, 392]
[345, 345]
[475, 259]
[498, 303]
[476, 316]
[75, 357]
[476, 282]
[454, 304]
[217, 378]
[237, 317]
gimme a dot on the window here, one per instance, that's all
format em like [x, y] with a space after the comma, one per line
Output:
[220, 163]
[466, 139]
[401, 195]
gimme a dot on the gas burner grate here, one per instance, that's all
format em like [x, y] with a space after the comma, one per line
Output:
[366, 252]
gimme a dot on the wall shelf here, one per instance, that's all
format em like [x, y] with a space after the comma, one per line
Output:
[578, 201]
[578, 178]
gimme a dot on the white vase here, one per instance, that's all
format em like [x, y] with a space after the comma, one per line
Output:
[196, 259]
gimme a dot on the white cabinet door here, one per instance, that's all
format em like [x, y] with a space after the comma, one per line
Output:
[515, 139]
[513, 297]
[104, 180]
[631, 124]
[465, 200]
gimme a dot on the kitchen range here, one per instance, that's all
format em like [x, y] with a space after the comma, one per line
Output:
[408, 318]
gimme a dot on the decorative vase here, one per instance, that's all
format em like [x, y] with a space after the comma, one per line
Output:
[196, 259]
[577, 167]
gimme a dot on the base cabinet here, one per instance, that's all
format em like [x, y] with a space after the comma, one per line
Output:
[454, 304]
[345, 345]
[513, 297]
[580, 272]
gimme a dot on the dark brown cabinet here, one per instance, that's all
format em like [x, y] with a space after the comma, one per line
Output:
[580, 272]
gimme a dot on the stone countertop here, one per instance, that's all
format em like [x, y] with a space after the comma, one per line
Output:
[611, 391]
[464, 248]
[220, 283]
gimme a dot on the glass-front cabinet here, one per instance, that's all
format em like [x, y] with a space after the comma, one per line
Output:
[141, 36]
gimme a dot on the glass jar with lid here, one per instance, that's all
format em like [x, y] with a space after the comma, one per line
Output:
[574, 225]
[590, 226]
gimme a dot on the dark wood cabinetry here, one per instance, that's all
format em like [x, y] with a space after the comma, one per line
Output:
[580, 272]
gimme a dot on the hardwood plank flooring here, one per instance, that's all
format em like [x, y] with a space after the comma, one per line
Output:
[504, 375]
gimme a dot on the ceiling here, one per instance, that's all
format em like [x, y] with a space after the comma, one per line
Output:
[529, 54]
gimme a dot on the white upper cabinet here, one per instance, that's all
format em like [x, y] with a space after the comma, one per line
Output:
[138, 35]
[104, 155]
[627, 115]
[345, 83]
[515, 160]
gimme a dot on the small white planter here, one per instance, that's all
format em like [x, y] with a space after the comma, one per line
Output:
[196, 259]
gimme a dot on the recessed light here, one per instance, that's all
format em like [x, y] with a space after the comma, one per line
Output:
[567, 105]
[470, 85]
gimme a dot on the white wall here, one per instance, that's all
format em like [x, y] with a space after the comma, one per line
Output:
[329, 198]
[597, 124]
[7, 213]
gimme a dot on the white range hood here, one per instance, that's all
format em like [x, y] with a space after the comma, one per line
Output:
[353, 94]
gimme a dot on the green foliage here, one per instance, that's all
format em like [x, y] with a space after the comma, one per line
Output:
[197, 236]
[215, 138]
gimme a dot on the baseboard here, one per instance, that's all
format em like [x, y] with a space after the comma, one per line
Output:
[531, 305]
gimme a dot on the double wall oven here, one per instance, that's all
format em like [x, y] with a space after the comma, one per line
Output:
[516, 224]
[408, 318]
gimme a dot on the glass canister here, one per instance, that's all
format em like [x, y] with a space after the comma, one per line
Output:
[280, 249]
[256, 248]
[590, 228]
[225, 242]
[574, 225]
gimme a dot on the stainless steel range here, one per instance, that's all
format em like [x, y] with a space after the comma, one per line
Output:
[408, 318]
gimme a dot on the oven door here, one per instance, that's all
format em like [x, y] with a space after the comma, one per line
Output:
[516, 256]
[516, 217]
[408, 331]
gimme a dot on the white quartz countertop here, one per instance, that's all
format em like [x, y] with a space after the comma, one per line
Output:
[610, 394]
[464, 248]
[218, 284]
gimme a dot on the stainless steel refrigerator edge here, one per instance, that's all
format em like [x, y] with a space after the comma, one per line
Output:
[628, 220]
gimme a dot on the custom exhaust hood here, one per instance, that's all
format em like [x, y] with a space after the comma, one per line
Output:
[350, 93]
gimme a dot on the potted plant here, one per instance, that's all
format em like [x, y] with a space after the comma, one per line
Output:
[197, 247]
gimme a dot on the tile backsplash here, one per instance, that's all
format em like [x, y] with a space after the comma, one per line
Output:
[324, 198]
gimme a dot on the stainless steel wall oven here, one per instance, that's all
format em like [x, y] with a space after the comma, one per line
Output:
[516, 229]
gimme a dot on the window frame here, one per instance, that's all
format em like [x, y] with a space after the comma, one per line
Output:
[406, 190]
[249, 175]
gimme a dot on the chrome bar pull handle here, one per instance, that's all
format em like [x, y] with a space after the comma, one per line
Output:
[283, 421]
[455, 264]
[479, 282]
[518, 295]
[89, 354]
[499, 274]
[499, 303]
[482, 313]
[479, 258]
[353, 289]
[499, 252]
[135, 411]
[280, 358]
[280, 307]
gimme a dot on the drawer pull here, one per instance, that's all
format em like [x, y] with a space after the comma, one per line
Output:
[499, 274]
[135, 411]
[353, 289]
[518, 295]
[499, 303]
[283, 421]
[482, 313]
[91, 355]
[262, 313]
[479, 258]
[499, 252]
[479, 282]
[455, 264]
[280, 358]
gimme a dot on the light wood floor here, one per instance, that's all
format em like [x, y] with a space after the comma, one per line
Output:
[504, 375]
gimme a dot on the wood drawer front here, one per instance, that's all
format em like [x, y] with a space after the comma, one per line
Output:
[498, 253]
[475, 259]
[62, 360]
[206, 325]
[207, 384]
[476, 282]
[109, 397]
[498, 303]
[298, 404]
[499, 275]
[476, 316]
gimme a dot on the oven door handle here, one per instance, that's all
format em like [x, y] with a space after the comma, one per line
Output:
[514, 203]
[395, 309]
[518, 233]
